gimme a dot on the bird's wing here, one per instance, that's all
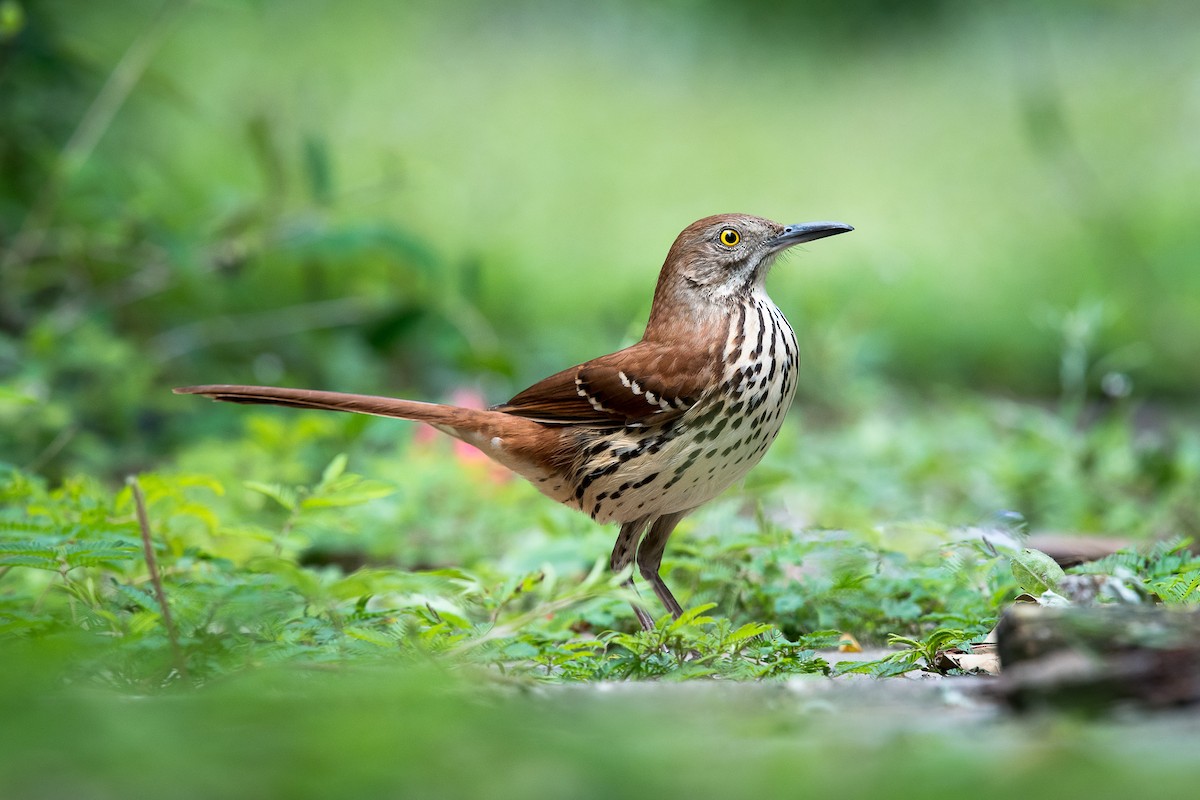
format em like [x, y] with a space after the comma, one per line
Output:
[645, 384]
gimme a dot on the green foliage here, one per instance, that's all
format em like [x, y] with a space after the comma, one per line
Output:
[697, 646]
[910, 656]
[441, 557]
[868, 583]
[969, 460]
[1168, 570]
[73, 568]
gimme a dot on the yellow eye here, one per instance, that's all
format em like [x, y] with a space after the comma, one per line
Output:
[729, 237]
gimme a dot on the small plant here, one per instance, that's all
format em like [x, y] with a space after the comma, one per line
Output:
[914, 654]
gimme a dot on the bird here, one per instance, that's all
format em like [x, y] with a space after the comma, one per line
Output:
[646, 435]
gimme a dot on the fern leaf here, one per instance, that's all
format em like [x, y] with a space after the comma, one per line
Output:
[283, 495]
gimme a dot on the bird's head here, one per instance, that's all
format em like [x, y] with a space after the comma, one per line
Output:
[721, 258]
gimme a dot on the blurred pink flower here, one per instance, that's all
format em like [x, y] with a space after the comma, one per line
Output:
[426, 436]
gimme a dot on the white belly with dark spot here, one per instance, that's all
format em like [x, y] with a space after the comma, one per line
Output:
[688, 462]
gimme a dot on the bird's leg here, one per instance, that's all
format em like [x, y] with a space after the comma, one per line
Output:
[649, 558]
[622, 557]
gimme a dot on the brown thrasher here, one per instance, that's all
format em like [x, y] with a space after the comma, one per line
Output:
[647, 434]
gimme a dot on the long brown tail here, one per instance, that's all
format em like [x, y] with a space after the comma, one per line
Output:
[458, 420]
[529, 448]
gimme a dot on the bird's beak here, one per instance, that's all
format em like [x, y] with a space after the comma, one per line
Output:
[805, 232]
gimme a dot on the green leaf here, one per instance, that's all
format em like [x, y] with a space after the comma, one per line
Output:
[1035, 571]
[94, 553]
[370, 635]
[347, 491]
[283, 495]
[41, 546]
[748, 631]
[34, 561]
[40, 553]
[881, 668]
[26, 527]
[334, 471]
[138, 597]
[693, 617]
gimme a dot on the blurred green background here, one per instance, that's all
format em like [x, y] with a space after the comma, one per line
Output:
[424, 198]
[412, 197]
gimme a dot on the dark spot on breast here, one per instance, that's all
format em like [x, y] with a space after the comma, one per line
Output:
[710, 414]
[591, 477]
[645, 480]
[686, 465]
[762, 329]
